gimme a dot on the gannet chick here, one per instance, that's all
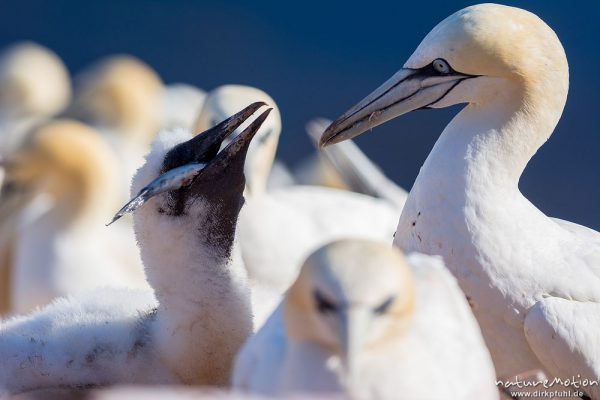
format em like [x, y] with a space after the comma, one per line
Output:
[121, 96]
[181, 104]
[359, 172]
[315, 215]
[201, 315]
[515, 264]
[361, 318]
[61, 186]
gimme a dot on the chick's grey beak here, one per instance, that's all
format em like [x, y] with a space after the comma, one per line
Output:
[190, 158]
[204, 146]
[407, 90]
[238, 147]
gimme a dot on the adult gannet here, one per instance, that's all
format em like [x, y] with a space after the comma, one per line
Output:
[521, 269]
[186, 234]
[363, 319]
[34, 85]
[61, 186]
[122, 97]
[280, 227]
[220, 102]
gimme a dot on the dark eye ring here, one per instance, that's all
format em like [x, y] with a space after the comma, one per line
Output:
[441, 66]
[324, 305]
[383, 308]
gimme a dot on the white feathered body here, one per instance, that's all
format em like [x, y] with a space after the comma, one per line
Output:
[506, 254]
[442, 345]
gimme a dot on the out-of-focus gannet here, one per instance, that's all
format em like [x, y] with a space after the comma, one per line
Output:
[34, 85]
[221, 102]
[201, 315]
[358, 172]
[363, 319]
[279, 228]
[533, 280]
[181, 104]
[122, 97]
[61, 186]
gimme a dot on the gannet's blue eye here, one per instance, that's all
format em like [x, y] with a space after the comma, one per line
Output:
[323, 305]
[383, 308]
[441, 66]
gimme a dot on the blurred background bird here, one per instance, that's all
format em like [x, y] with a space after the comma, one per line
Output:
[34, 85]
[62, 185]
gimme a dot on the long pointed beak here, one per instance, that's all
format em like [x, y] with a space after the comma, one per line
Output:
[407, 90]
[238, 148]
[205, 146]
[184, 175]
[354, 327]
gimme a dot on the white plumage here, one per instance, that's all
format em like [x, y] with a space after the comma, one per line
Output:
[201, 314]
[534, 282]
[360, 320]
[280, 227]
[62, 186]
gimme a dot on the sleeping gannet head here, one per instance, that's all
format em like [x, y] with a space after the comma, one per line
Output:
[69, 161]
[33, 81]
[351, 296]
[120, 93]
[226, 100]
[477, 55]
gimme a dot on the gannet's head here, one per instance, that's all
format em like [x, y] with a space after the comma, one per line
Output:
[470, 57]
[33, 81]
[351, 296]
[123, 94]
[182, 172]
[69, 161]
[226, 100]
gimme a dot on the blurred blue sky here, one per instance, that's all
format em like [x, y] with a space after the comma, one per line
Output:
[317, 58]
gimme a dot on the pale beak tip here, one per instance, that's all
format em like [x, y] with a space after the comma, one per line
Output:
[328, 137]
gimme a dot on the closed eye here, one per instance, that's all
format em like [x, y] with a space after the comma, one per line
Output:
[384, 307]
[324, 305]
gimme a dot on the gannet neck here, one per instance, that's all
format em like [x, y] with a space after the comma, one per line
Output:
[191, 261]
[495, 137]
[70, 162]
[201, 285]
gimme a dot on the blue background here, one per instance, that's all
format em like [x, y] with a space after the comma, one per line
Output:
[319, 58]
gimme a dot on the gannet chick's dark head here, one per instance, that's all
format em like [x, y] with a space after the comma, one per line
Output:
[196, 180]
[473, 56]
[351, 297]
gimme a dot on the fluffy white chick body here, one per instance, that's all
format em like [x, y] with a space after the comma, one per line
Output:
[187, 334]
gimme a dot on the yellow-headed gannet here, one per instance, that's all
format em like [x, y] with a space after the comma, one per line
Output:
[122, 97]
[280, 227]
[362, 319]
[201, 315]
[34, 86]
[533, 280]
[61, 185]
